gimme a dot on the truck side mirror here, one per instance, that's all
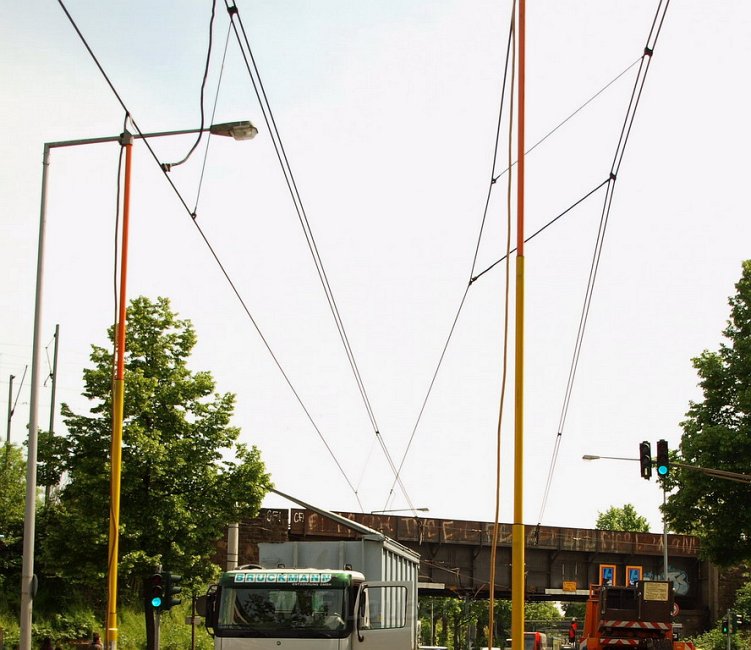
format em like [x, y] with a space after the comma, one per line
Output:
[208, 607]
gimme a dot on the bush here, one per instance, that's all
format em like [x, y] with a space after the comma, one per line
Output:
[67, 628]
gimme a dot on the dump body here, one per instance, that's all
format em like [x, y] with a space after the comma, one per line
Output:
[638, 616]
[319, 595]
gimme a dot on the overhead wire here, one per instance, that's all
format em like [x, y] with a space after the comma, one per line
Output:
[116, 243]
[213, 253]
[494, 179]
[628, 122]
[504, 355]
[258, 87]
[474, 262]
[213, 113]
[168, 166]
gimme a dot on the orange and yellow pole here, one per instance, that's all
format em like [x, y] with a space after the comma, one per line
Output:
[118, 398]
[517, 539]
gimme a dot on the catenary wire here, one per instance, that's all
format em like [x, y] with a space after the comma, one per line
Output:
[494, 179]
[461, 306]
[614, 169]
[474, 261]
[565, 120]
[218, 261]
[213, 113]
[260, 92]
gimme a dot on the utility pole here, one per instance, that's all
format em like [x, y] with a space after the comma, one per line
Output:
[10, 407]
[730, 630]
[47, 488]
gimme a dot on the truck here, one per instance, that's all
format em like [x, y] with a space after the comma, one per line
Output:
[639, 616]
[324, 595]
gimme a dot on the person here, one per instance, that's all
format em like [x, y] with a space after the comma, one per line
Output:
[96, 642]
[572, 631]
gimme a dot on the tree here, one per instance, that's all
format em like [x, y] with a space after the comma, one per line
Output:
[12, 500]
[717, 434]
[180, 486]
[625, 518]
[542, 612]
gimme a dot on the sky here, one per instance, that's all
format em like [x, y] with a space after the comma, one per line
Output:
[388, 113]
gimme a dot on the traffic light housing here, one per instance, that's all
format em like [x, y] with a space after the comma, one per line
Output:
[663, 463]
[172, 589]
[155, 591]
[725, 626]
[645, 459]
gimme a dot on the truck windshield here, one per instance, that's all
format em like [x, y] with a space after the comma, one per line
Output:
[291, 611]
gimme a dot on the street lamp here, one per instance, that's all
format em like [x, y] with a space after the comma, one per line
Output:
[238, 130]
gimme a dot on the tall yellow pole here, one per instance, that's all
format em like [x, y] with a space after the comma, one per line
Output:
[517, 539]
[118, 397]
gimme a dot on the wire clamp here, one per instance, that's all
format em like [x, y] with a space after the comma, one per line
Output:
[126, 138]
[648, 51]
[612, 176]
[166, 167]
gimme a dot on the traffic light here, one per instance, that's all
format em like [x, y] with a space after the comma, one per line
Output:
[172, 588]
[645, 459]
[663, 464]
[725, 626]
[155, 591]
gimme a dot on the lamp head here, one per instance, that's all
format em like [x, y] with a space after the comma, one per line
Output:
[242, 130]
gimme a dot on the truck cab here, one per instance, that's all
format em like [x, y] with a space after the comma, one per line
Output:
[309, 608]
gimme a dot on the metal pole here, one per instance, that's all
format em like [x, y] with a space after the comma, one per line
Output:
[517, 540]
[48, 488]
[27, 570]
[118, 399]
[664, 535]
[729, 631]
[54, 380]
[233, 543]
[10, 407]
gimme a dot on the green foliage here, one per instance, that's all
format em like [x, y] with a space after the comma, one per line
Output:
[714, 639]
[12, 501]
[717, 434]
[571, 610]
[184, 477]
[80, 624]
[452, 620]
[625, 518]
[743, 601]
[542, 611]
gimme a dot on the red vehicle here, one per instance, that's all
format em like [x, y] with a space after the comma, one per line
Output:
[535, 641]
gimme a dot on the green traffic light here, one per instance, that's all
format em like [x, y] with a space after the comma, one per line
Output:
[156, 601]
[662, 470]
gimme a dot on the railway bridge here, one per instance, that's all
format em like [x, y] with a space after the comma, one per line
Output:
[561, 563]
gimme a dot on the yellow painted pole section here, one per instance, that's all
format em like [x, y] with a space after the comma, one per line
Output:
[118, 400]
[118, 389]
[517, 538]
